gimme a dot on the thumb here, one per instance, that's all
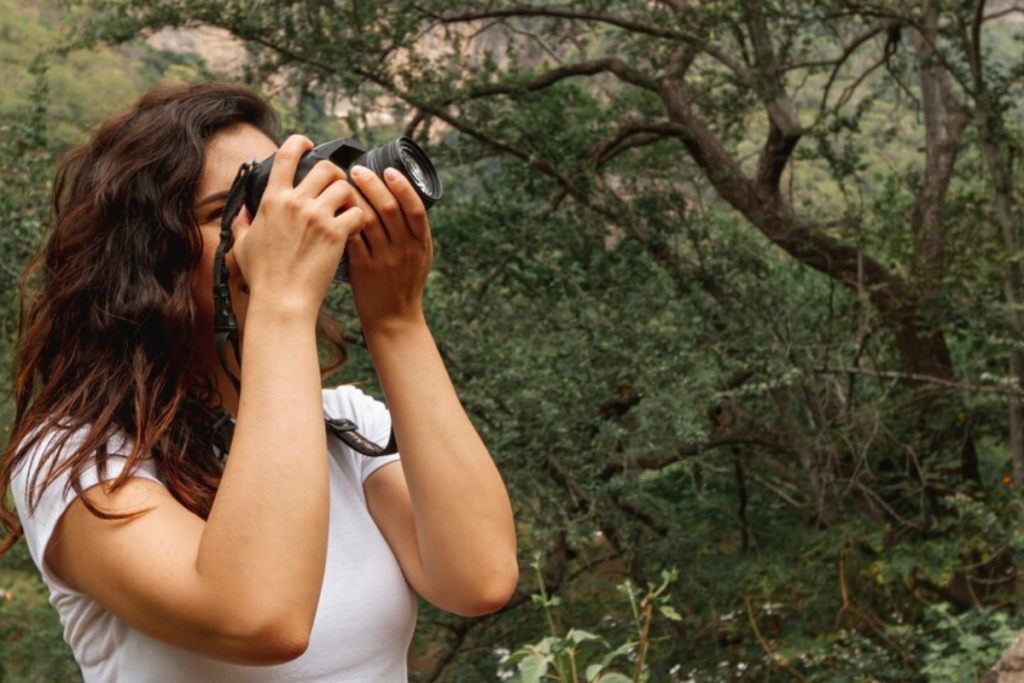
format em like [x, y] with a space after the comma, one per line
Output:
[238, 256]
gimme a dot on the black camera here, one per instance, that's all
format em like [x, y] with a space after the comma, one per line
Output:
[401, 154]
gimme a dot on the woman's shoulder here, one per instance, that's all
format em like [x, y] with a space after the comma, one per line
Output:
[351, 402]
[46, 448]
[58, 461]
[55, 467]
[372, 420]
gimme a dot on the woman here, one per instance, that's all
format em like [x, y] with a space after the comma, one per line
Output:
[292, 560]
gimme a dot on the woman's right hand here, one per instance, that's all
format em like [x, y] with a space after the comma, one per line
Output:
[289, 254]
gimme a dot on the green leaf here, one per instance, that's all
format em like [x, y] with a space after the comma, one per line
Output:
[593, 671]
[614, 678]
[578, 636]
[547, 645]
[533, 668]
[623, 649]
[670, 613]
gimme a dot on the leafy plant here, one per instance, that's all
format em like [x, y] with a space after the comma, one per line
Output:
[577, 655]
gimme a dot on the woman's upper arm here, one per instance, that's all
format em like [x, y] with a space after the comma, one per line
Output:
[390, 505]
[143, 570]
[387, 498]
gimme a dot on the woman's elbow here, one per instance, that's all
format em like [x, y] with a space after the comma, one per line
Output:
[271, 640]
[281, 646]
[491, 595]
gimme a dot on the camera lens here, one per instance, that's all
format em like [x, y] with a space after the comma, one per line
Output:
[416, 174]
[405, 156]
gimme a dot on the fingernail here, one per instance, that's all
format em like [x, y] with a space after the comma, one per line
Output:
[359, 171]
[391, 174]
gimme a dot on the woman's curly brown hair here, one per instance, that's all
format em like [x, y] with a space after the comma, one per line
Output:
[107, 336]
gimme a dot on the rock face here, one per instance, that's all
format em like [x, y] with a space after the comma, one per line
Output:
[222, 52]
[1010, 667]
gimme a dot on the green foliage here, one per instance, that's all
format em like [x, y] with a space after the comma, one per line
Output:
[33, 647]
[32, 636]
[963, 644]
[84, 86]
[577, 655]
[25, 177]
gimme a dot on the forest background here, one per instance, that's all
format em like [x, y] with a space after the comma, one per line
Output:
[731, 289]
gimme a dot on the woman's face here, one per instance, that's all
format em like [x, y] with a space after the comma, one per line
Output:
[225, 152]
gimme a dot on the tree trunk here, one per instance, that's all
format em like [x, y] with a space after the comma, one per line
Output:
[991, 133]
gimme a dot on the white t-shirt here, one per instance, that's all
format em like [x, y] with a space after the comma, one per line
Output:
[366, 615]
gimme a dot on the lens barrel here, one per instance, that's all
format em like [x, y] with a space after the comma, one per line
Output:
[408, 158]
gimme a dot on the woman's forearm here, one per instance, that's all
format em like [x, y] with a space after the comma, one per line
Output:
[265, 541]
[464, 524]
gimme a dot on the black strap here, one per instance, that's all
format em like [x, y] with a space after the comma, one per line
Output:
[221, 429]
[225, 327]
[346, 431]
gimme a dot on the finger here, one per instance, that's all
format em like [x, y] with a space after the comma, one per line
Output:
[356, 198]
[410, 203]
[319, 178]
[286, 161]
[349, 223]
[382, 201]
[374, 234]
[358, 251]
[375, 237]
[337, 196]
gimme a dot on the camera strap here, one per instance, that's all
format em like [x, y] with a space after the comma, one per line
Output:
[225, 326]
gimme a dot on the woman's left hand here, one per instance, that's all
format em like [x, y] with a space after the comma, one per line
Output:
[390, 258]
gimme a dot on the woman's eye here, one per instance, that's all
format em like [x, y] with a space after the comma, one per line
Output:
[215, 214]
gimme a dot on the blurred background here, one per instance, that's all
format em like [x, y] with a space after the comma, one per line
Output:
[730, 288]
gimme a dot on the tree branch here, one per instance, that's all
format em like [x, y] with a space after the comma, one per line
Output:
[612, 65]
[839, 61]
[921, 378]
[847, 53]
[539, 163]
[767, 211]
[945, 122]
[652, 130]
[784, 130]
[658, 462]
[1003, 13]
[600, 17]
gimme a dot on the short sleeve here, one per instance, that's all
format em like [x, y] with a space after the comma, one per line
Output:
[39, 523]
[372, 419]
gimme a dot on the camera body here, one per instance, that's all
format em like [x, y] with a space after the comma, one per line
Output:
[402, 154]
